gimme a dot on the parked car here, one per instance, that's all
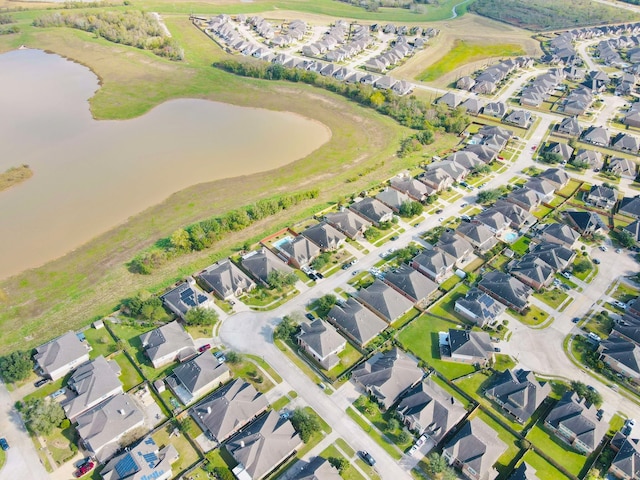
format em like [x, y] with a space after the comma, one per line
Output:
[618, 250]
[366, 456]
[204, 347]
[41, 382]
[4, 445]
[603, 248]
[566, 274]
[395, 237]
[85, 468]
[463, 204]
[596, 261]
[310, 316]
[57, 393]
[575, 319]
[439, 211]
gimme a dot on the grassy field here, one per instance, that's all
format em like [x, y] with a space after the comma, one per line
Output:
[14, 176]
[89, 282]
[464, 52]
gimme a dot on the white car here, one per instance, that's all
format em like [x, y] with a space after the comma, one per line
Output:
[603, 248]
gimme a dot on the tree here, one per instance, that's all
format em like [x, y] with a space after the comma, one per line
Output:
[340, 463]
[438, 467]
[16, 366]
[411, 208]
[321, 260]
[201, 316]
[323, 304]
[42, 416]
[180, 240]
[625, 239]
[377, 99]
[582, 265]
[278, 279]
[305, 423]
[286, 329]
[404, 436]
[233, 357]
[222, 473]
[550, 157]
[489, 196]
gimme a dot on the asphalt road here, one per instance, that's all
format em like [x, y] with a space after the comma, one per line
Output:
[22, 459]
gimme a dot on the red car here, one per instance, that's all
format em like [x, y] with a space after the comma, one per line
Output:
[84, 468]
[204, 348]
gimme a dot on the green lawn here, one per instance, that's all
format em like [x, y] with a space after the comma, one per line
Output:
[583, 275]
[344, 446]
[247, 370]
[553, 297]
[374, 433]
[188, 454]
[129, 376]
[616, 424]
[464, 52]
[503, 362]
[421, 339]
[101, 341]
[450, 282]
[533, 317]
[265, 366]
[445, 307]
[382, 421]
[561, 453]
[61, 444]
[349, 356]
[286, 348]
[542, 211]
[624, 293]
[521, 246]
[281, 403]
[349, 473]
[543, 468]
[406, 318]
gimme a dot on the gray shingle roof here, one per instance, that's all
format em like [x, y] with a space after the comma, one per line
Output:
[59, 352]
[561, 232]
[470, 343]
[431, 409]
[167, 339]
[627, 459]
[524, 472]
[317, 469]
[481, 305]
[301, 249]
[436, 261]
[324, 235]
[388, 375]
[634, 229]
[348, 222]
[229, 409]
[630, 206]
[199, 372]
[623, 351]
[384, 300]
[356, 320]
[261, 263]
[525, 197]
[518, 392]
[392, 198]
[506, 288]
[225, 278]
[264, 444]
[184, 297]
[321, 337]
[476, 445]
[579, 418]
[372, 210]
[411, 282]
[479, 235]
[555, 176]
[585, 222]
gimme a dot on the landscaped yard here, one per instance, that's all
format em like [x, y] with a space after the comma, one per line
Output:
[542, 211]
[624, 293]
[599, 323]
[445, 306]
[349, 473]
[561, 453]
[421, 339]
[543, 468]
[374, 433]
[249, 371]
[521, 246]
[265, 366]
[101, 341]
[533, 317]
[406, 318]
[570, 188]
[62, 444]
[188, 453]
[553, 297]
[129, 376]
[384, 421]
[349, 356]
[450, 282]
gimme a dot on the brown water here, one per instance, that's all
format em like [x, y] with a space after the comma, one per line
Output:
[90, 176]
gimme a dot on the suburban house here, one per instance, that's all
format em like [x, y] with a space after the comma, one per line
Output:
[456, 246]
[410, 283]
[587, 223]
[474, 449]
[494, 220]
[393, 198]
[259, 264]
[555, 176]
[321, 342]
[384, 301]
[601, 197]
[518, 217]
[570, 126]
[471, 105]
[634, 229]
[317, 468]
[226, 280]
[622, 167]
[592, 158]
[228, 409]
[143, 461]
[525, 198]
[541, 187]
[495, 109]
[533, 271]
[356, 321]
[429, 410]
[626, 463]
[562, 149]
[559, 233]
[386, 376]
[479, 307]
[449, 99]
[596, 136]
[184, 297]
[524, 472]
[101, 427]
[415, 189]
[621, 355]
[506, 289]
[518, 393]
[300, 251]
[575, 421]
[436, 179]
[91, 383]
[519, 118]
[435, 264]
[262, 446]
[469, 346]
[193, 379]
[626, 143]
[372, 210]
[557, 256]
[58, 357]
[325, 236]
[477, 235]
[352, 225]
[167, 343]
[630, 207]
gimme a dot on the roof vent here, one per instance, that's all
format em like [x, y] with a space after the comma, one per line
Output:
[208, 409]
[241, 443]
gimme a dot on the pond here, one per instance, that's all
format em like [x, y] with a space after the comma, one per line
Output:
[90, 176]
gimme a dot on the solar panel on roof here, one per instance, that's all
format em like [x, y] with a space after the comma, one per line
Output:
[149, 441]
[202, 298]
[126, 466]
[151, 459]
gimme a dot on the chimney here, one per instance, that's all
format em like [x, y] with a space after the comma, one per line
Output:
[121, 411]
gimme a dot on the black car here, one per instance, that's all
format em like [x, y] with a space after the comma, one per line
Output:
[41, 382]
[310, 316]
[366, 456]
[439, 211]
[596, 261]
[575, 319]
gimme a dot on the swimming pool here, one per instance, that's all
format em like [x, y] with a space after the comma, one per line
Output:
[282, 242]
[510, 237]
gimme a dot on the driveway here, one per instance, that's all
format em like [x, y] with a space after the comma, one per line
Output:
[22, 459]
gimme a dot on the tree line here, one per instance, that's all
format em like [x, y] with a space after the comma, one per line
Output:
[406, 110]
[130, 27]
[201, 235]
